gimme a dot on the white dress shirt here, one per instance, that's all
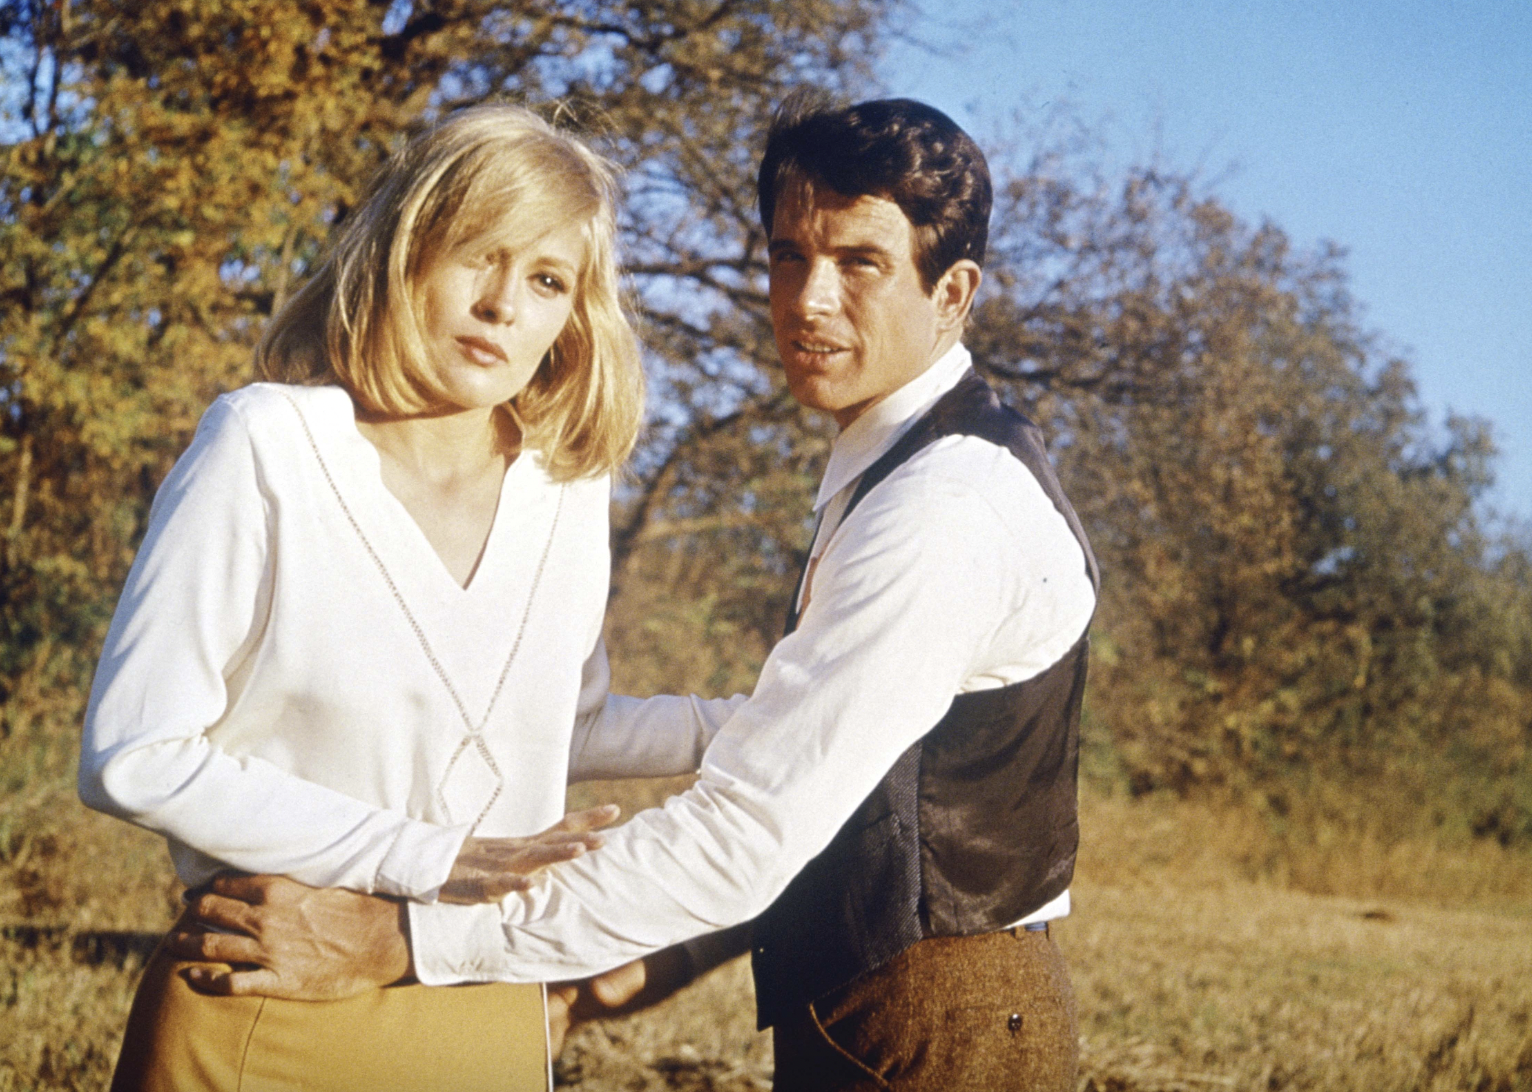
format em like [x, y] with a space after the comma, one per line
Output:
[954, 574]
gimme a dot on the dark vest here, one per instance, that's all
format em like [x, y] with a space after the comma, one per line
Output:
[975, 826]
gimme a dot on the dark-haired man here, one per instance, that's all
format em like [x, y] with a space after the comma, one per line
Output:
[894, 804]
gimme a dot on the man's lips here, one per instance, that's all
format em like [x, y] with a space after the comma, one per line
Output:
[811, 349]
[484, 352]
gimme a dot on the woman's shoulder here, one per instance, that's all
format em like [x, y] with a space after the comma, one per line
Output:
[264, 401]
[278, 413]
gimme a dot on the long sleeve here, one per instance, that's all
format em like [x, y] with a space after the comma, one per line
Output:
[878, 655]
[618, 736]
[189, 618]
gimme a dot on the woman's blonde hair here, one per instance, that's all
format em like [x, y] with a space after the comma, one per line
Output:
[496, 176]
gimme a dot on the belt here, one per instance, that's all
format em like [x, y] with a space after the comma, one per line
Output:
[1031, 927]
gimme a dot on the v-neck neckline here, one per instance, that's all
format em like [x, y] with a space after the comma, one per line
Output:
[414, 533]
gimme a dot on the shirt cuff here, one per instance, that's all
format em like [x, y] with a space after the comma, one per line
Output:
[420, 860]
[1055, 908]
[451, 944]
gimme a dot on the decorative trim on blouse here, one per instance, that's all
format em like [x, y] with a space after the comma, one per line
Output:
[473, 733]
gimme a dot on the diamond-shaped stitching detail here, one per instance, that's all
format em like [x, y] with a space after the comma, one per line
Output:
[472, 780]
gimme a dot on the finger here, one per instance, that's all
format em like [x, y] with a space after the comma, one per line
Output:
[214, 947]
[540, 852]
[527, 858]
[588, 819]
[223, 913]
[259, 982]
[242, 886]
[495, 888]
[588, 838]
[466, 890]
[619, 985]
[558, 1025]
[530, 858]
[209, 979]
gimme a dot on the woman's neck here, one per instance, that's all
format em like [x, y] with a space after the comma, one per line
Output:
[444, 447]
[447, 470]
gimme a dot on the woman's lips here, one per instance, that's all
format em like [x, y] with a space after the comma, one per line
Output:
[484, 352]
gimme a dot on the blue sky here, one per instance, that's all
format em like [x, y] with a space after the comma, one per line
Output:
[1400, 130]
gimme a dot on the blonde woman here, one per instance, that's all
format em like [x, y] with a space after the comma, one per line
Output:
[361, 636]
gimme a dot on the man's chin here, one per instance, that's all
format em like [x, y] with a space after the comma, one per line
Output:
[815, 392]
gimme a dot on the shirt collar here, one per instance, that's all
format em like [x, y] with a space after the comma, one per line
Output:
[866, 439]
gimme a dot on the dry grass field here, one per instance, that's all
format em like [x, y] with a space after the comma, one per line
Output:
[1203, 958]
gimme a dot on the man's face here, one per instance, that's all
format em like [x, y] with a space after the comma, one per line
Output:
[852, 322]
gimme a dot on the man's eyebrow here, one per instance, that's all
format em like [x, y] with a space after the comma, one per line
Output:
[864, 250]
[848, 250]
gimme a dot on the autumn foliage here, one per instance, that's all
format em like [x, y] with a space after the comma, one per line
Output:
[1306, 605]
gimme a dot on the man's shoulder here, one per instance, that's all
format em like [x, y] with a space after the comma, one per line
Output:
[964, 466]
[962, 493]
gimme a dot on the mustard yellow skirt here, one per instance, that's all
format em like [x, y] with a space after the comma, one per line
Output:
[400, 1039]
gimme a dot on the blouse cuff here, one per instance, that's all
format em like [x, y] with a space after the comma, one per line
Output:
[420, 860]
[451, 944]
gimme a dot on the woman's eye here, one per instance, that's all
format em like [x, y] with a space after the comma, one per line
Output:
[550, 284]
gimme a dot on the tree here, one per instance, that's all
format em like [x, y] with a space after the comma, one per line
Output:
[169, 170]
[1301, 586]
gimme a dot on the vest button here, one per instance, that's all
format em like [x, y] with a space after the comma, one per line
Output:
[1014, 1023]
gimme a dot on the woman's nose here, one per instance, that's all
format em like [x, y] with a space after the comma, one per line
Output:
[496, 303]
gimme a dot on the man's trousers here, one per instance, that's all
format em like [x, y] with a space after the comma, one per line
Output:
[988, 1013]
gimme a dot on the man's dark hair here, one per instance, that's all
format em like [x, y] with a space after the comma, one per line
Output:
[898, 149]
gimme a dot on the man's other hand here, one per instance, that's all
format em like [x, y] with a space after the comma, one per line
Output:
[293, 941]
[617, 992]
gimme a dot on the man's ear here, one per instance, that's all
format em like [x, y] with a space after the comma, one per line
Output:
[955, 292]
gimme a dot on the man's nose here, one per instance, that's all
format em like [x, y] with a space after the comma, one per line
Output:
[821, 289]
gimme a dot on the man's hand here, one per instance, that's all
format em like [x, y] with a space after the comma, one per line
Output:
[488, 869]
[286, 939]
[618, 992]
[645, 982]
[293, 941]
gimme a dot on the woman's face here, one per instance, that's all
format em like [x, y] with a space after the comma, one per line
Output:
[488, 317]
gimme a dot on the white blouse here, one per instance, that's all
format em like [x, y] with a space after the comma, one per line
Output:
[293, 683]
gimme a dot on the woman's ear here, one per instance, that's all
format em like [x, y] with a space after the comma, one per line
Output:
[955, 292]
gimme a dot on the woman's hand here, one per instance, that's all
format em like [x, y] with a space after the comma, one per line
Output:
[488, 869]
